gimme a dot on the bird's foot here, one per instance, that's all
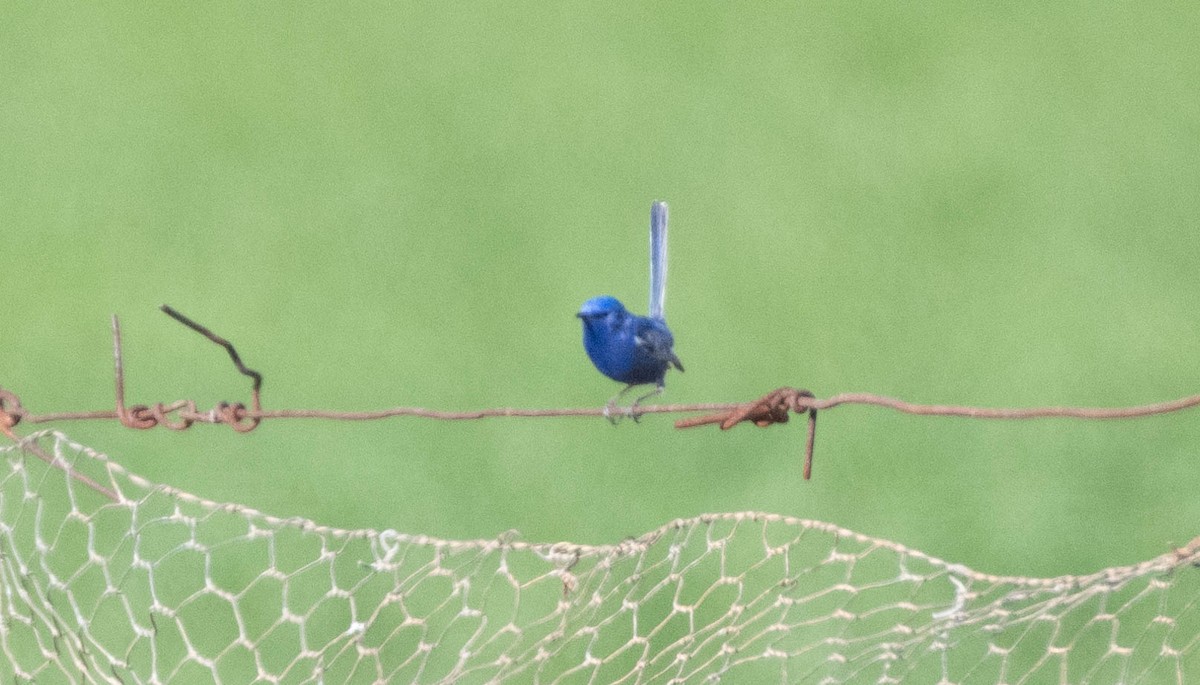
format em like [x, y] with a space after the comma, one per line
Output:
[615, 412]
[612, 412]
[635, 412]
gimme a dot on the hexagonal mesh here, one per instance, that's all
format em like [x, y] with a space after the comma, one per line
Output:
[154, 585]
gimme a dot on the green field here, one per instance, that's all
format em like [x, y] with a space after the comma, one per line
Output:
[389, 204]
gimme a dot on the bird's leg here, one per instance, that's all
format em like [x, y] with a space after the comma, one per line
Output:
[610, 409]
[633, 408]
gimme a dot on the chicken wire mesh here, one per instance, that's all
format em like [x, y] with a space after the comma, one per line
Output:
[137, 582]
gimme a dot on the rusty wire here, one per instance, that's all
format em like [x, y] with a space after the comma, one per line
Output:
[772, 408]
[11, 413]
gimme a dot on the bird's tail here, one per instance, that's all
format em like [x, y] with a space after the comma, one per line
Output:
[658, 258]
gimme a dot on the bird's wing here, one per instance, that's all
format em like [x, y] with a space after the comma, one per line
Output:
[655, 341]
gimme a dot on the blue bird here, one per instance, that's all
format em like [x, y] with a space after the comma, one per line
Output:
[635, 350]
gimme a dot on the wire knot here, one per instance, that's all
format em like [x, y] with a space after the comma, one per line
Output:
[138, 416]
[162, 414]
[774, 407]
[143, 417]
[11, 411]
[235, 416]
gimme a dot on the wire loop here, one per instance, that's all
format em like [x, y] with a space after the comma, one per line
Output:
[236, 417]
[11, 411]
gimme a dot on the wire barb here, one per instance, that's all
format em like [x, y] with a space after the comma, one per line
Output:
[142, 417]
[233, 414]
[772, 408]
[137, 416]
[237, 360]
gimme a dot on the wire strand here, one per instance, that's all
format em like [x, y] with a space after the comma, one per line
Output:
[773, 407]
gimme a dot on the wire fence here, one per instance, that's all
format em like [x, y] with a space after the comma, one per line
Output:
[774, 407]
[107, 588]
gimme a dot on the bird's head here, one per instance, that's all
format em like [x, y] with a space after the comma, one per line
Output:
[599, 307]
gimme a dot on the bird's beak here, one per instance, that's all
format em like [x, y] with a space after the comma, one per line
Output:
[579, 315]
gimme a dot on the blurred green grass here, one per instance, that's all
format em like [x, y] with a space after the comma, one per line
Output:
[404, 204]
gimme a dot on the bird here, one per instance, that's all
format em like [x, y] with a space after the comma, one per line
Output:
[628, 348]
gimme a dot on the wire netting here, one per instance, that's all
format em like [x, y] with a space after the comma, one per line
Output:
[149, 584]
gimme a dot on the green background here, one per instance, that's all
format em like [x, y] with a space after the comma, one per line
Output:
[404, 203]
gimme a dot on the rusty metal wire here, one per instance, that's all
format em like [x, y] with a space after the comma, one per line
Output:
[774, 407]
[11, 413]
